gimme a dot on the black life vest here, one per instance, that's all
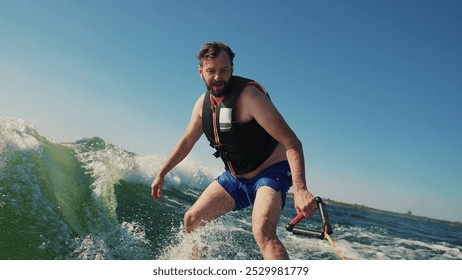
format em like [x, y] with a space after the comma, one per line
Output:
[242, 146]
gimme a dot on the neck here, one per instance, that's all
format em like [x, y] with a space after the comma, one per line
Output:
[216, 100]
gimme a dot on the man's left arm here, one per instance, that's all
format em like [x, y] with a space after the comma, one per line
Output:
[266, 114]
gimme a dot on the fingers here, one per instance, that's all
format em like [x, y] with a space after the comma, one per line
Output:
[311, 208]
[156, 190]
[306, 204]
[156, 193]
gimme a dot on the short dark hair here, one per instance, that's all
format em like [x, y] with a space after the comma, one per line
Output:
[211, 50]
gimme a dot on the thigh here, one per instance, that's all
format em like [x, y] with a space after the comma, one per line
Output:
[212, 203]
[267, 209]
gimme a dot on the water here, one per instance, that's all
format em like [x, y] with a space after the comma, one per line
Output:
[91, 200]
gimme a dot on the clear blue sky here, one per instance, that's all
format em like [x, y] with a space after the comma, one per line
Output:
[372, 88]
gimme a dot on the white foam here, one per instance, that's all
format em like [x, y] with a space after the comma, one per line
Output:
[357, 243]
[16, 134]
[111, 164]
[128, 241]
[107, 167]
[441, 250]
[212, 241]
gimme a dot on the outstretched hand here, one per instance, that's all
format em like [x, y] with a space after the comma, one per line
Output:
[156, 187]
[305, 202]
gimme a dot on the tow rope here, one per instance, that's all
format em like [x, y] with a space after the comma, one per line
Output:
[326, 228]
[334, 246]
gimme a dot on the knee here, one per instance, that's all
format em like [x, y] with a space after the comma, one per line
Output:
[263, 233]
[191, 221]
[188, 221]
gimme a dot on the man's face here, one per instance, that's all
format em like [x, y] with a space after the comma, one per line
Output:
[216, 73]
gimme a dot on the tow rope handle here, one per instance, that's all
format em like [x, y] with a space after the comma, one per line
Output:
[326, 228]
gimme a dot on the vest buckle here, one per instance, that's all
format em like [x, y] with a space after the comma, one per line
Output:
[221, 152]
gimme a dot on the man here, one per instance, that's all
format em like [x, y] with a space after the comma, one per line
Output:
[263, 157]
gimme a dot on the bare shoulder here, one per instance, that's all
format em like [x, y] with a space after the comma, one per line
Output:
[200, 100]
[198, 106]
[252, 92]
[245, 103]
[252, 100]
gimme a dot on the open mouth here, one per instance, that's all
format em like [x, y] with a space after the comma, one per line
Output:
[218, 86]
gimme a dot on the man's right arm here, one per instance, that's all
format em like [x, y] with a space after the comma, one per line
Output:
[181, 150]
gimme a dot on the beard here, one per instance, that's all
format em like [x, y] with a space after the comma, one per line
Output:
[222, 85]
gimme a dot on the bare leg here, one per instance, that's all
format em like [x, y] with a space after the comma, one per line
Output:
[212, 203]
[265, 216]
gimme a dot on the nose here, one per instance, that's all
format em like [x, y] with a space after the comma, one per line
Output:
[217, 76]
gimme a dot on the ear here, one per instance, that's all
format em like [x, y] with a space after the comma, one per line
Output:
[200, 72]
